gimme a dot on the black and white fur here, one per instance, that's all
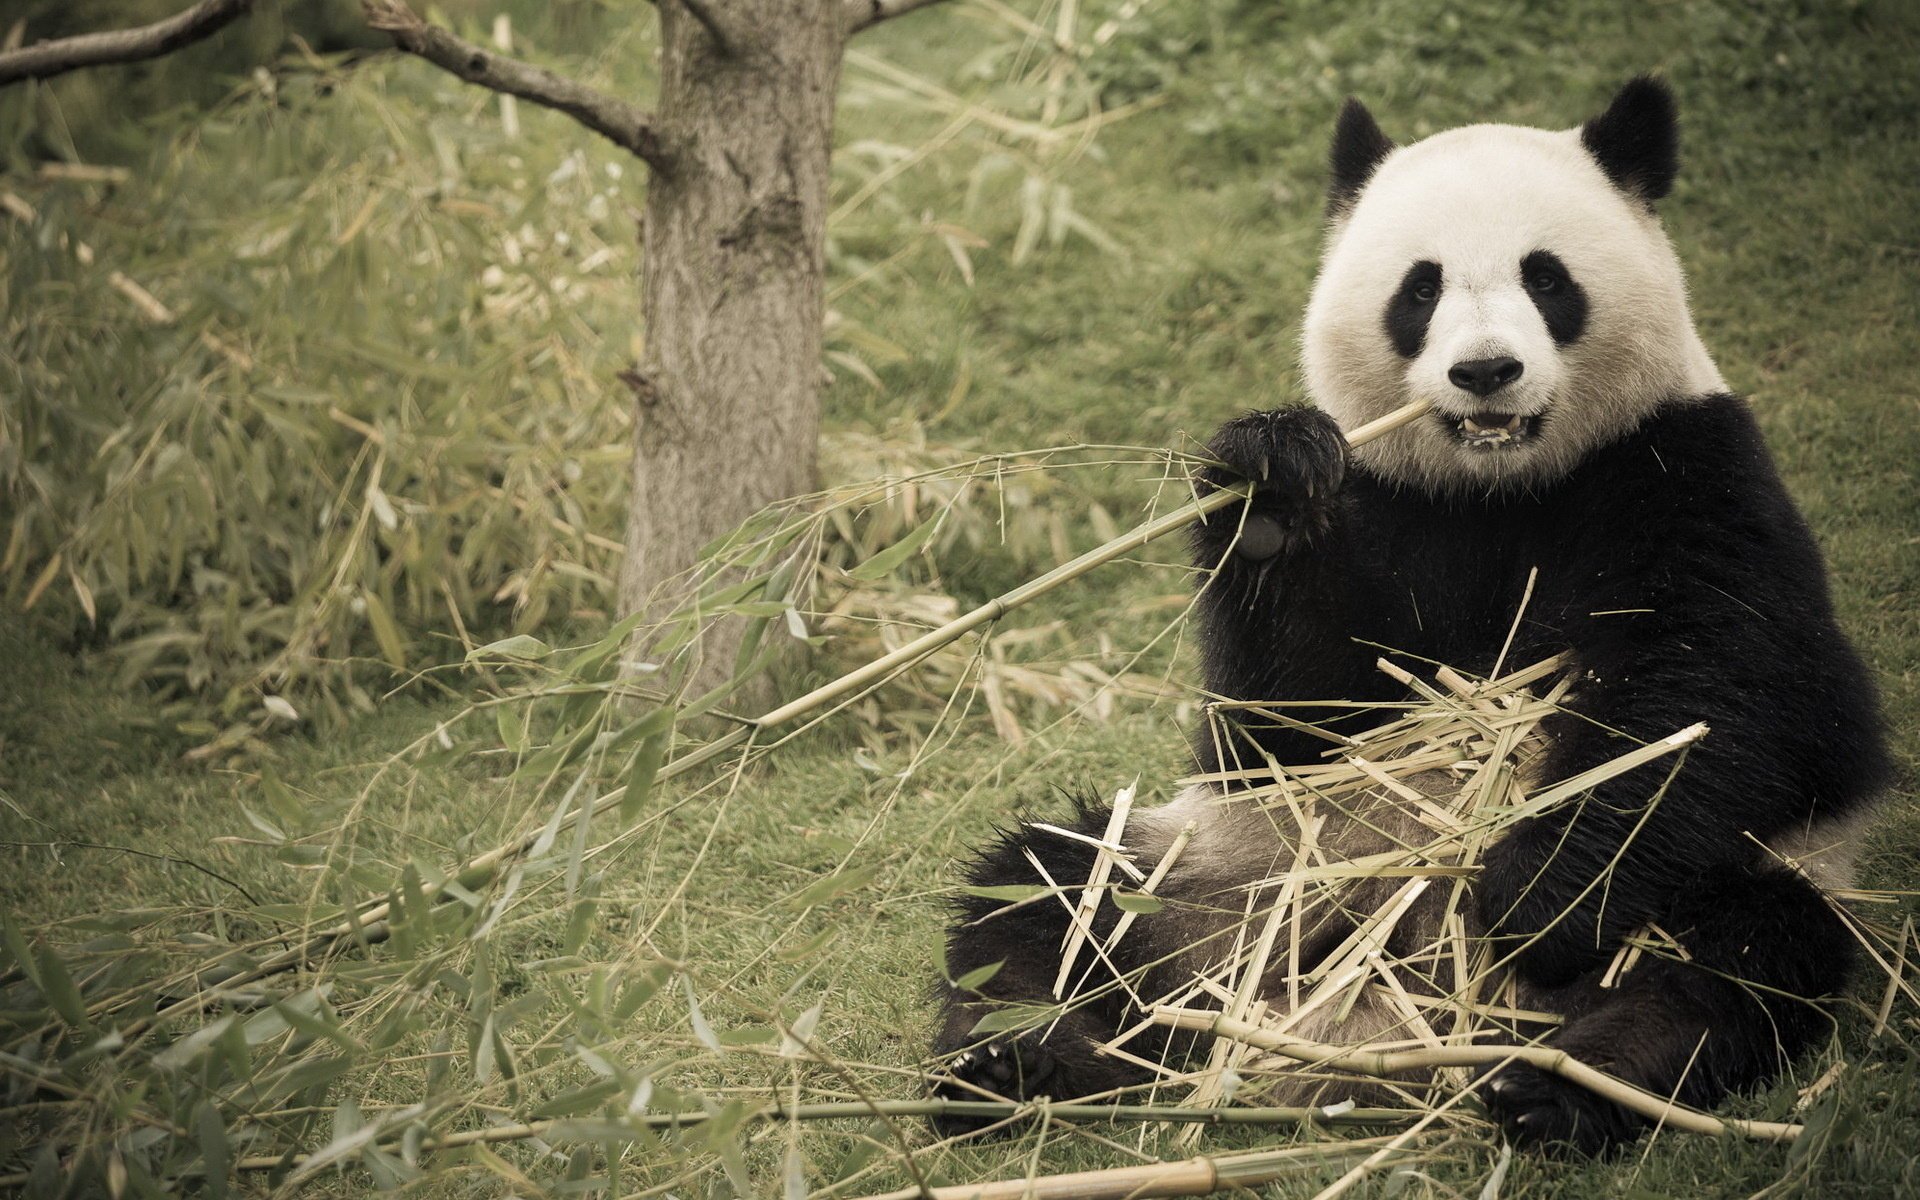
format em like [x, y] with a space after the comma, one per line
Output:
[1520, 280]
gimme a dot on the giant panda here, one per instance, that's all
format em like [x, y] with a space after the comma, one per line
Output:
[1580, 434]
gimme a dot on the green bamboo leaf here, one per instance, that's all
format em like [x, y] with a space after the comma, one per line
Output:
[215, 1153]
[17, 949]
[820, 891]
[973, 980]
[58, 988]
[640, 990]
[882, 564]
[579, 925]
[512, 726]
[1013, 1016]
[1136, 902]
[520, 645]
[184, 1051]
[646, 763]
[578, 1100]
[393, 646]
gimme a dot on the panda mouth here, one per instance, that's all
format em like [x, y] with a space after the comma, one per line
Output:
[1493, 430]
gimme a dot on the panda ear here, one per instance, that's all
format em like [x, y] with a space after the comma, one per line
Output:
[1637, 140]
[1358, 147]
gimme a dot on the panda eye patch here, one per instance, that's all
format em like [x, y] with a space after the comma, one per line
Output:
[1410, 310]
[1561, 300]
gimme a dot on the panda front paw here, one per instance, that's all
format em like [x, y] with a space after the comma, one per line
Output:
[1540, 1111]
[1012, 1068]
[1296, 460]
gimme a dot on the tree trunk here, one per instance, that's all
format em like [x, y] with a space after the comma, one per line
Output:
[727, 410]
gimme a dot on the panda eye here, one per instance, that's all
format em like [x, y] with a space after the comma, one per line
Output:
[1543, 281]
[1424, 292]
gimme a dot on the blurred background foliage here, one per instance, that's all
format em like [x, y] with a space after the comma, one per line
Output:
[312, 362]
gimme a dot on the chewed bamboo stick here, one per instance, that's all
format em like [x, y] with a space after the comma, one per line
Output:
[1081, 927]
[1363, 1061]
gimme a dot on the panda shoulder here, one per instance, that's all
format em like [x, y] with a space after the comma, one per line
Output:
[1702, 438]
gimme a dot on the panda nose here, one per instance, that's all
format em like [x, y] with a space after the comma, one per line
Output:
[1484, 376]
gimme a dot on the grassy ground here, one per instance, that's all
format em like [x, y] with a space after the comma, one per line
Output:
[1796, 215]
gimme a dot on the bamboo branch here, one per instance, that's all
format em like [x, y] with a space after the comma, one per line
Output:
[369, 923]
[47, 59]
[834, 1110]
[864, 14]
[1385, 1063]
[1191, 1177]
[625, 125]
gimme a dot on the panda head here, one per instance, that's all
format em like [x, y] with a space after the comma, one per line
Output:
[1518, 279]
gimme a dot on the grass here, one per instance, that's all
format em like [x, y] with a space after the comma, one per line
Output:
[1795, 215]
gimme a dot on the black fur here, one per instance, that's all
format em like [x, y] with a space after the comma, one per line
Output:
[1558, 296]
[1673, 565]
[1718, 1022]
[1637, 140]
[1358, 147]
[1411, 309]
[1025, 940]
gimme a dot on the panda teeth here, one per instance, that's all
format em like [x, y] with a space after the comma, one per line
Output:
[1509, 426]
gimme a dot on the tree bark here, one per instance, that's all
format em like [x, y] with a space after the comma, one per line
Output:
[726, 411]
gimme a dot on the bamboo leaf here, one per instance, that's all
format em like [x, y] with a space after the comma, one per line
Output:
[17, 949]
[975, 979]
[698, 1019]
[58, 987]
[655, 731]
[215, 1154]
[830, 887]
[883, 564]
[794, 1039]
[520, 645]
[393, 646]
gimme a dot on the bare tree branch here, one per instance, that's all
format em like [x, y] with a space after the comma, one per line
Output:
[862, 14]
[626, 125]
[47, 59]
[711, 21]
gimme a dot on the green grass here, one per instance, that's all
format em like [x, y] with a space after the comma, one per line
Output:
[1795, 216]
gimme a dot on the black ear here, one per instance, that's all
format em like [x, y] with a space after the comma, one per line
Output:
[1637, 140]
[1358, 147]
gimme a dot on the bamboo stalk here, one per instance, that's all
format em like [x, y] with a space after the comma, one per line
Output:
[1189, 1177]
[370, 923]
[1362, 1061]
[835, 1110]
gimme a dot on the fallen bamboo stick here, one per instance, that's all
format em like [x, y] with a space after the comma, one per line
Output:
[1189, 1177]
[1362, 1061]
[369, 922]
[985, 1110]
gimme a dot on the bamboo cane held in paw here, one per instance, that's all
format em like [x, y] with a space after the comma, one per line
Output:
[370, 921]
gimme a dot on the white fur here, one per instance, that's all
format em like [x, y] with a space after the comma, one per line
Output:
[1477, 200]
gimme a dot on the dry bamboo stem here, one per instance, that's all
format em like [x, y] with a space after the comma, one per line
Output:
[1362, 1061]
[1189, 1177]
[370, 922]
[991, 1110]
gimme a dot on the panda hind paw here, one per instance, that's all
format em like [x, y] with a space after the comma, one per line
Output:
[1014, 1068]
[1540, 1111]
